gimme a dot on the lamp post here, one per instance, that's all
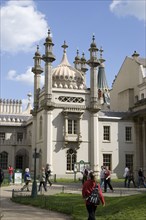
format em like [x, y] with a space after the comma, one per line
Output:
[34, 185]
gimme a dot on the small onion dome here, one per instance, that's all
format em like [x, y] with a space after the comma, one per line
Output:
[37, 53]
[77, 58]
[49, 39]
[93, 44]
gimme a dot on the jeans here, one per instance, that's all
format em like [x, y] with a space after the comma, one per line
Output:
[91, 211]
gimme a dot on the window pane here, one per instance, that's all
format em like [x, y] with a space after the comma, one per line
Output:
[71, 159]
[107, 160]
[106, 133]
[128, 131]
[69, 126]
[75, 127]
[2, 136]
[129, 161]
[19, 136]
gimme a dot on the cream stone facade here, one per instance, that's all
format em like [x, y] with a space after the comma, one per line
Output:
[71, 125]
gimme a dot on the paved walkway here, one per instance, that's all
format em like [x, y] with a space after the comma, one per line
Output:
[13, 211]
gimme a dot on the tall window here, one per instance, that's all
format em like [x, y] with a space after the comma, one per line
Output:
[129, 161]
[2, 136]
[41, 127]
[128, 133]
[107, 160]
[71, 159]
[4, 160]
[72, 126]
[106, 133]
[19, 136]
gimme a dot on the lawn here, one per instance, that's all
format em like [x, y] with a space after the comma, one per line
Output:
[117, 208]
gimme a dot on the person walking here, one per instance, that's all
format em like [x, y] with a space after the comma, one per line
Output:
[102, 176]
[130, 178]
[125, 175]
[27, 180]
[107, 180]
[87, 189]
[141, 178]
[42, 180]
[10, 171]
[85, 173]
[1, 176]
[48, 174]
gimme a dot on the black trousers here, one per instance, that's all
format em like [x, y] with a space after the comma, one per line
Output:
[91, 211]
[107, 182]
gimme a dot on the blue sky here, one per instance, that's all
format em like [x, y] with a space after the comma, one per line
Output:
[119, 27]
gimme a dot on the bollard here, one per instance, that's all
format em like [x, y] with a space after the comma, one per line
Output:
[54, 178]
[62, 189]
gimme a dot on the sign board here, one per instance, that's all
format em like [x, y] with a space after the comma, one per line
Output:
[80, 166]
[17, 177]
[36, 155]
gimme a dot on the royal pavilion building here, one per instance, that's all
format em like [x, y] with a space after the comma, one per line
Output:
[72, 126]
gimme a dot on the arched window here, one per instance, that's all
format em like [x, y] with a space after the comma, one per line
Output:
[41, 127]
[71, 159]
[4, 160]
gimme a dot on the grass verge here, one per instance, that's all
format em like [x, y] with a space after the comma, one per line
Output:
[117, 208]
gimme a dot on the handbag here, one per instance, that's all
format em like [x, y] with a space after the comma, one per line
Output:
[94, 197]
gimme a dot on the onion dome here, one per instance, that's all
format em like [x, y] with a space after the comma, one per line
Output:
[66, 76]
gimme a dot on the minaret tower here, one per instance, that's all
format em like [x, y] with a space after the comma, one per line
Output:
[83, 66]
[93, 63]
[48, 58]
[37, 70]
[77, 61]
[94, 107]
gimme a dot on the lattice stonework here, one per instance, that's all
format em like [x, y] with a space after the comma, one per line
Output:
[70, 99]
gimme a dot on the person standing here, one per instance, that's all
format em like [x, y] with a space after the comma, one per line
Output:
[1, 176]
[42, 179]
[85, 173]
[125, 175]
[87, 189]
[102, 176]
[48, 174]
[10, 171]
[107, 180]
[27, 179]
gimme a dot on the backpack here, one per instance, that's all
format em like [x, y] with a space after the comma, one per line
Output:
[94, 198]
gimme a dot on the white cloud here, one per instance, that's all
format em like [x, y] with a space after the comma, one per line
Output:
[26, 78]
[135, 8]
[22, 26]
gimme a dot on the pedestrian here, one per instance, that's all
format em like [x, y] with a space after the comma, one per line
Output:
[102, 176]
[27, 180]
[48, 174]
[125, 175]
[107, 180]
[141, 178]
[1, 176]
[87, 189]
[42, 180]
[10, 171]
[131, 178]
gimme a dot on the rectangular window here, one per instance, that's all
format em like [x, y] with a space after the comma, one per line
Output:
[107, 160]
[2, 136]
[72, 126]
[128, 133]
[106, 133]
[129, 161]
[19, 136]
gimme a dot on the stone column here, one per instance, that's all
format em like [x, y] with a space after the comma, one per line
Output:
[94, 148]
[47, 150]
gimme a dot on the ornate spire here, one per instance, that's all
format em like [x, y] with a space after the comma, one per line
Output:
[101, 59]
[64, 46]
[83, 63]
[77, 61]
[48, 56]
[37, 69]
[93, 62]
